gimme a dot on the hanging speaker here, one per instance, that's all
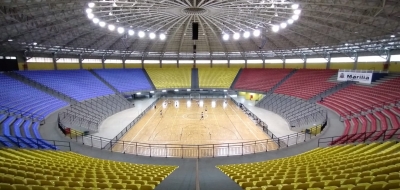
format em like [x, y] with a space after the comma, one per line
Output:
[195, 31]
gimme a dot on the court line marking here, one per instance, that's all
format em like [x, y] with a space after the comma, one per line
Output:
[244, 122]
[141, 128]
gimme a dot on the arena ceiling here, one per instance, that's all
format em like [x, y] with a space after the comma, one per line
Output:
[320, 27]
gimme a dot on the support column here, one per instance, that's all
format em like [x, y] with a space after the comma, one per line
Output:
[177, 63]
[103, 59]
[284, 62]
[194, 61]
[328, 64]
[386, 66]
[123, 62]
[245, 63]
[229, 62]
[80, 61]
[211, 63]
[263, 63]
[160, 63]
[55, 60]
[304, 61]
[142, 62]
[355, 61]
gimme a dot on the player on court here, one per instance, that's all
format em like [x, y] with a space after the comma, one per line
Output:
[202, 116]
[161, 113]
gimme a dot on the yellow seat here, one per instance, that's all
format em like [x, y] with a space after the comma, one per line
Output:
[36, 187]
[49, 183]
[287, 187]
[4, 186]
[103, 185]
[147, 187]
[133, 186]
[117, 186]
[358, 188]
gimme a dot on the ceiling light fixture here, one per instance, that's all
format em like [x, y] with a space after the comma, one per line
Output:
[90, 15]
[256, 33]
[236, 36]
[89, 10]
[91, 4]
[131, 32]
[225, 37]
[152, 35]
[290, 21]
[275, 28]
[95, 20]
[283, 25]
[295, 6]
[111, 27]
[162, 36]
[141, 34]
[246, 34]
[121, 30]
[102, 24]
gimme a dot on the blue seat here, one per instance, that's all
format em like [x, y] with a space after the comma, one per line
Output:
[24, 100]
[17, 131]
[6, 142]
[77, 84]
[125, 80]
[42, 143]
[7, 132]
[2, 117]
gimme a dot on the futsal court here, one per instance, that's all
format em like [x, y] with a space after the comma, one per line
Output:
[175, 128]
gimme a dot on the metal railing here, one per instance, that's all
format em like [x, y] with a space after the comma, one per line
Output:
[22, 114]
[360, 137]
[37, 143]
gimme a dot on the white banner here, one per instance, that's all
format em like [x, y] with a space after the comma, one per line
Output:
[355, 76]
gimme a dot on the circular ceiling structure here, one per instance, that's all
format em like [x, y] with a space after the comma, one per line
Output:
[226, 28]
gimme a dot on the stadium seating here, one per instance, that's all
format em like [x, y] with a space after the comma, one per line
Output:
[23, 169]
[346, 167]
[373, 105]
[170, 78]
[296, 111]
[125, 80]
[216, 77]
[17, 133]
[307, 83]
[77, 84]
[26, 101]
[260, 79]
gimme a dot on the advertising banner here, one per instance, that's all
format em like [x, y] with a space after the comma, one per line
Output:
[355, 76]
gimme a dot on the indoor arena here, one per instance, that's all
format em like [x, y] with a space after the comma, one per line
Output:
[200, 94]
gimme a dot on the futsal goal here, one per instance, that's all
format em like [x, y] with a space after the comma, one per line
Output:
[195, 96]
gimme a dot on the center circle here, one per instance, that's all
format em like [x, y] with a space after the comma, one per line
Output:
[194, 11]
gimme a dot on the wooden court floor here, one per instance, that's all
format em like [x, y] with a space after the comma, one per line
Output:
[181, 132]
